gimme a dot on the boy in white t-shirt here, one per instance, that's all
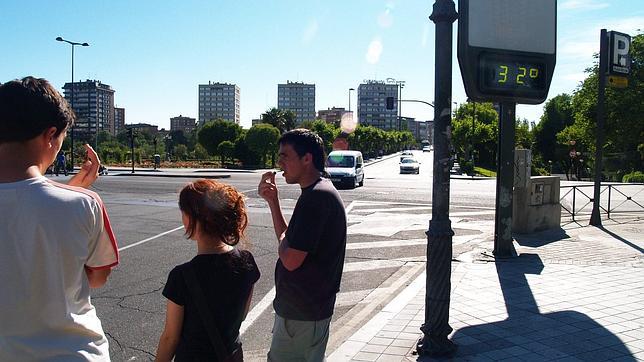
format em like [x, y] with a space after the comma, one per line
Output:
[55, 240]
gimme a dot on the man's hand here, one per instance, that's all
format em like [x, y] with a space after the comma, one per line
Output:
[88, 172]
[267, 188]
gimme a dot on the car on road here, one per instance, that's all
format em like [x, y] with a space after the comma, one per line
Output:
[345, 168]
[409, 165]
[427, 148]
[406, 153]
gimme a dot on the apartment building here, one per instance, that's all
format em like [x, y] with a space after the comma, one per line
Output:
[298, 97]
[181, 123]
[218, 101]
[372, 107]
[93, 103]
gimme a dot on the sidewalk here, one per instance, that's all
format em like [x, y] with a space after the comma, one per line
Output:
[574, 294]
[173, 172]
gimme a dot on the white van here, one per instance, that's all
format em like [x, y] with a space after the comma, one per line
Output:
[345, 168]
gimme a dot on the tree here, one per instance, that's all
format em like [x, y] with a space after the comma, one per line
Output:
[283, 120]
[243, 153]
[523, 136]
[178, 137]
[624, 127]
[215, 132]
[324, 130]
[482, 112]
[200, 152]
[475, 132]
[226, 150]
[557, 115]
[262, 139]
[181, 152]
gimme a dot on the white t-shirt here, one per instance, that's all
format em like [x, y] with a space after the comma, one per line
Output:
[49, 233]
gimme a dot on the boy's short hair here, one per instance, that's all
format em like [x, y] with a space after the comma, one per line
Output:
[28, 107]
[306, 141]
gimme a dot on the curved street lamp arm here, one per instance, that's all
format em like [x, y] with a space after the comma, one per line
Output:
[417, 101]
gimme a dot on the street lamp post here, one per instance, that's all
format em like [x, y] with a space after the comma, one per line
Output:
[436, 326]
[350, 89]
[73, 44]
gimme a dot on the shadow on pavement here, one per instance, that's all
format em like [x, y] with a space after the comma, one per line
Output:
[542, 238]
[527, 334]
[618, 237]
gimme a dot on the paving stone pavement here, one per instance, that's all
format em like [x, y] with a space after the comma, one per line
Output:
[574, 294]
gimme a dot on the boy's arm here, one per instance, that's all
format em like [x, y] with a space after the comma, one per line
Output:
[97, 277]
[88, 172]
[267, 189]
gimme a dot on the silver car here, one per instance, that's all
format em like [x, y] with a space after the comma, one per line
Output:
[409, 165]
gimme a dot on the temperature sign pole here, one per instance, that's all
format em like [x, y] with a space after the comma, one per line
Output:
[506, 53]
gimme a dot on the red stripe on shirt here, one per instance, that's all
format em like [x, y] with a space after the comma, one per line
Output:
[106, 219]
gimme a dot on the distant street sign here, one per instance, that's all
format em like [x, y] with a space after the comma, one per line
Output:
[507, 49]
[619, 58]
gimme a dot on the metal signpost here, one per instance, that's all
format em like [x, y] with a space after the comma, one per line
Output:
[614, 64]
[507, 54]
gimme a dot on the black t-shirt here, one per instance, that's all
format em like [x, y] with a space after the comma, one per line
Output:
[319, 227]
[226, 280]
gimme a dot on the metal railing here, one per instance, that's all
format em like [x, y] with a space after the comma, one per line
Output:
[618, 199]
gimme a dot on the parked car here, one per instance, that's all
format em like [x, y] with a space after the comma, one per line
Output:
[427, 148]
[456, 169]
[345, 168]
[409, 165]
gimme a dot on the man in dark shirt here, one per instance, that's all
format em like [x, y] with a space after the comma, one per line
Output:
[311, 250]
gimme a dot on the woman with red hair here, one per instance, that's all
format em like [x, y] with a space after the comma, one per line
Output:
[209, 296]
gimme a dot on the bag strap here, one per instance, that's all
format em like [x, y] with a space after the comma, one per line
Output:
[190, 277]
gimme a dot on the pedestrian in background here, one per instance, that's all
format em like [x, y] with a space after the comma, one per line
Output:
[311, 250]
[209, 296]
[56, 239]
[60, 163]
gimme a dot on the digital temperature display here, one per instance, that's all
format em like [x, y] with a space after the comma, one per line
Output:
[512, 77]
[507, 49]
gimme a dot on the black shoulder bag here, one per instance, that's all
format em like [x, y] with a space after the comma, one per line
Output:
[190, 277]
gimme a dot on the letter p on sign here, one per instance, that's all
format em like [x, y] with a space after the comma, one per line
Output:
[618, 53]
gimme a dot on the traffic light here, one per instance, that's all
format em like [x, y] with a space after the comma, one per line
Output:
[390, 102]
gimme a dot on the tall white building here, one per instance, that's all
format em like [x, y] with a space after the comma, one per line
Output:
[218, 101]
[299, 98]
[93, 103]
[372, 105]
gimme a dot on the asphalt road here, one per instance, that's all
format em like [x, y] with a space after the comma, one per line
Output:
[386, 248]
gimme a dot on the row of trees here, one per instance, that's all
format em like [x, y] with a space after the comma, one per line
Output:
[564, 138]
[227, 144]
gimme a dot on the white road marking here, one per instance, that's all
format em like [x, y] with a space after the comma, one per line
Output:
[371, 265]
[267, 300]
[151, 238]
[257, 310]
[460, 239]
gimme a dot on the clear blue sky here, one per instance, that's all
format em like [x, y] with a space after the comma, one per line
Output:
[155, 53]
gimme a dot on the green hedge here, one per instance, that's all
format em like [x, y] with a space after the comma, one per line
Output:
[637, 176]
